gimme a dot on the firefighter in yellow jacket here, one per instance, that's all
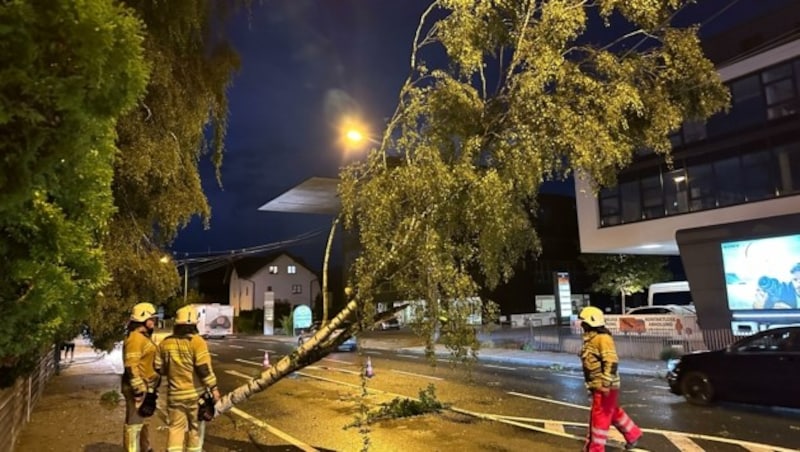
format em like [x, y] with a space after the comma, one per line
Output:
[600, 362]
[140, 377]
[185, 361]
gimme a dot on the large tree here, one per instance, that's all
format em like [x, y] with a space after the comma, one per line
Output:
[523, 97]
[68, 70]
[156, 184]
[625, 274]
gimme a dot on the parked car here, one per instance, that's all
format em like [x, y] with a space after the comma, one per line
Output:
[350, 345]
[390, 324]
[759, 369]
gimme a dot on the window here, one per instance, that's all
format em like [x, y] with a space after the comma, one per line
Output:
[675, 193]
[291, 269]
[694, 131]
[789, 167]
[297, 288]
[759, 179]
[273, 269]
[609, 206]
[631, 201]
[700, 179]
[747, 104]
[728, 175]
[770, 342]
[652, 199]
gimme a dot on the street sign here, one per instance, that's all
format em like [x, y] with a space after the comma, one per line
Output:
[301, 317]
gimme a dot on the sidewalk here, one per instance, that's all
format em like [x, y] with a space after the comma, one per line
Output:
[71, 417]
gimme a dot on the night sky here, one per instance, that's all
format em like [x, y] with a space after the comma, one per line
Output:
[304, 64]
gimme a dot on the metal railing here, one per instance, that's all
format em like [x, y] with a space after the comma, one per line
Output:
[17, 401]
[630, 345]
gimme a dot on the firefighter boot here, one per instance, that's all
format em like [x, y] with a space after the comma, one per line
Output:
[132, 437]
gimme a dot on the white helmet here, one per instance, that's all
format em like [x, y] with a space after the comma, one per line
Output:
[186, 316]
[143, 312]
[592, 316]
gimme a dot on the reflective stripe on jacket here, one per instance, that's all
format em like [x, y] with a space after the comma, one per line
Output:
[599, 360]
[186, 363]
[139, 354]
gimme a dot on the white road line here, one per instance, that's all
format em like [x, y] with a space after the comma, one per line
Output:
[239, 374]
[495, 366]
[335, 369]
[337, 361]
[580, 377]
[666, 388]
[543, 399]
[267, 350]
[252, 363]
[417, 375]
[235, 346]
[280, 434]
[213, 354]
[683, 443]
[554, 426]
[408, 356]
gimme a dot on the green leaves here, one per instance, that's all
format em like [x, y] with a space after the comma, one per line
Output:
[624, 273]
[447, 200]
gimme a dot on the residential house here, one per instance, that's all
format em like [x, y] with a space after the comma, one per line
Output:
[288, 277]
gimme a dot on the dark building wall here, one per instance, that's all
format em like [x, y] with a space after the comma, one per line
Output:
[701, 253]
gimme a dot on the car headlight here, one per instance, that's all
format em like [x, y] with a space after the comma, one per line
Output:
[672, 364]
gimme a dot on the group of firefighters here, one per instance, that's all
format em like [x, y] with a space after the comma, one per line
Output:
[184, 360]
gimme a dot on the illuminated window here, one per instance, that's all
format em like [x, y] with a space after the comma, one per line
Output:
[291, 269]
[273, 269]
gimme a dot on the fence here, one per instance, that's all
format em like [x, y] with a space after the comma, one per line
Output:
[630, 345]
[17, 401]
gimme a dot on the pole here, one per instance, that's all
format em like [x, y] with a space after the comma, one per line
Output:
[185, 282]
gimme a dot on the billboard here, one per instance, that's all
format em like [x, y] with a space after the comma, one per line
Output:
[762, 273]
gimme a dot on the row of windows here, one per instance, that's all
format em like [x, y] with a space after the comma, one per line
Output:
[290, 269]
[755, 99]
[296, 289]
[696, 184]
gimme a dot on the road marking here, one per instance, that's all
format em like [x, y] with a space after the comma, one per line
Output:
[213, 354]
[580, 377]
[252, 363]
[235, 346]
[554, 426]
[683, 443]
[543, 399]
[408, 356]
[335, 369]
[280, 434]
[417, 375]
[336, 360]
[665, 388]
[495, 366]
[239, 374]
[267, 350]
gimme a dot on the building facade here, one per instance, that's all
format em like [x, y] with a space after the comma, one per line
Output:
[735, 181]
[287, 277]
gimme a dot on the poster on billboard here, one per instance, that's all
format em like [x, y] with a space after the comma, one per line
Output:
[563, 296]
[762, 273]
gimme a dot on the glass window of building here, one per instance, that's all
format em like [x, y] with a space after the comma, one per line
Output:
[759, 177]
[700, 179]
[273, 269]
[652, 199]
[676, 197]
[747, 103]
[789, 168]
[291, 269]
[694, 131]
[631, 201]
[297, 288]
[728, 177]
[609, 206]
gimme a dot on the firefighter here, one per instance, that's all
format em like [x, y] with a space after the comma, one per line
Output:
[140, 377]
[600, 361]
[185, 361]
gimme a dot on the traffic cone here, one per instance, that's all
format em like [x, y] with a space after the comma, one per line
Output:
[266, 360]
[368, 372]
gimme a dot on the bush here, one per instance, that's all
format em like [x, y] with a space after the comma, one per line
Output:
[668, 353]
[249, 322]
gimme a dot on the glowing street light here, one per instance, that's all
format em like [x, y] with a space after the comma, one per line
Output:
[354, 136]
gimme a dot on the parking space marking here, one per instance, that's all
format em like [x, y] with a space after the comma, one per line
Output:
[417, 375]
[495, 366]
[544, 399]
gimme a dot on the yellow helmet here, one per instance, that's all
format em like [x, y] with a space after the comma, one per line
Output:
[142, 312]
[592, 316]
[186, 316]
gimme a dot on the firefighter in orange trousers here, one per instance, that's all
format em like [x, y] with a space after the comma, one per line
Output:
[600, 362]
[140, 377]
[186, 363]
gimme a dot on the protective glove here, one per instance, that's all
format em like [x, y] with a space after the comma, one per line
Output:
[148, 406]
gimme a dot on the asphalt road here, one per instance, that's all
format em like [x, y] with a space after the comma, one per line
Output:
[493, 407]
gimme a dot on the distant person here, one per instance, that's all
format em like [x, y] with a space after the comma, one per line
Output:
[600, 362]
[185, 361]
[140, 377]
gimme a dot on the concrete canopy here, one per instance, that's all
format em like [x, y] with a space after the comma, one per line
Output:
[316, 195]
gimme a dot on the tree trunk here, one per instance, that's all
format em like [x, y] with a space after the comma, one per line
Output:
[326, 299]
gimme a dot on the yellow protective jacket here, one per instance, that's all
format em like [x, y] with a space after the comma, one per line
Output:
[138, 355]
[599, 360]
[186, 363]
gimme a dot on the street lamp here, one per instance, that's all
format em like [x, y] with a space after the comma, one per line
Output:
[165, 260]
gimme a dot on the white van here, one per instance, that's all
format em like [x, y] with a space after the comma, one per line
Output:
[666, 293]
[214, 320]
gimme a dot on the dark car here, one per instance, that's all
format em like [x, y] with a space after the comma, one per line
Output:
[760, 369]
[390, 324]
[350, 344]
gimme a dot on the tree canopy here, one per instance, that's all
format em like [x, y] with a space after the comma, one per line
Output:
[625, 274]
[522, 98]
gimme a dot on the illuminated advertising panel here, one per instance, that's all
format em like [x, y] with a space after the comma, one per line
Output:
[762, 274]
